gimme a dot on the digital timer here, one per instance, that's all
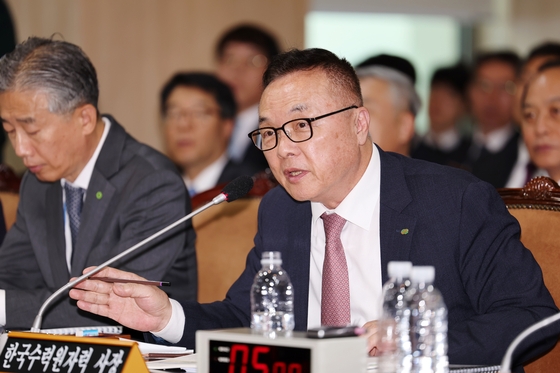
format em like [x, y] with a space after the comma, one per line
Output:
[241, 351]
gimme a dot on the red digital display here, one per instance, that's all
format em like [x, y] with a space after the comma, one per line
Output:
[234, 357]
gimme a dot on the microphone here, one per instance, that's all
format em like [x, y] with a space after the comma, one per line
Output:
[232, 191]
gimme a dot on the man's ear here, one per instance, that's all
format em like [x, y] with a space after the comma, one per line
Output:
[406, 128]
[362, 125]
[87, 117]
[228, 127]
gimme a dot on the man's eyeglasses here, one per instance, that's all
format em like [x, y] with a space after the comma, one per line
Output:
[488, 86]
[199, 115]
[297, 130]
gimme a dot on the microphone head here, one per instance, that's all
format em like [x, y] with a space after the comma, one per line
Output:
[238, 188]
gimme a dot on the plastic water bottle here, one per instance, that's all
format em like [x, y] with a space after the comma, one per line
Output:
[394, 346]
[272, 297]
[428, 323]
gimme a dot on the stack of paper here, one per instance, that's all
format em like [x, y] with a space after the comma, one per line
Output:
[147, 349]
[187, 363]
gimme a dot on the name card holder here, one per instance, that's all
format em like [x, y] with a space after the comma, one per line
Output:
[36, 352]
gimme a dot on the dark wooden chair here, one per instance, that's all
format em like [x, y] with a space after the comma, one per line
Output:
[224, 237]
[9, 194]
[537, 209]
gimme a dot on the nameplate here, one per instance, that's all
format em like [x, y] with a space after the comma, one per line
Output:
[35, 352]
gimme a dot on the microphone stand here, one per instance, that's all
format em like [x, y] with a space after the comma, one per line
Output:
[36, 328]
[505, 367]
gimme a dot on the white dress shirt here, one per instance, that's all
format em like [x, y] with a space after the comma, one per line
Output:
[245, 122]
[494, 141]
[445, 141]
[208, 178]
[361, 240]
[81, 181]
[518, 174]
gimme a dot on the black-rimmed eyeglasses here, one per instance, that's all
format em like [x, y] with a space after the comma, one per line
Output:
[297, 130]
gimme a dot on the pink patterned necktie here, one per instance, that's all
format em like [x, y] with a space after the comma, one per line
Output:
[335, 294]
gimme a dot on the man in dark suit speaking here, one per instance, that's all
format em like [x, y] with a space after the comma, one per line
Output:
[314, 132]
[91, 192]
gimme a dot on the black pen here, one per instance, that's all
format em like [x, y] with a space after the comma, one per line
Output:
[125, 281]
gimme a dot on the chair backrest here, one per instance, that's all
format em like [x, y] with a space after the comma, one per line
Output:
[9, 189]
[224, 237]
[10, 202]
[537, 209]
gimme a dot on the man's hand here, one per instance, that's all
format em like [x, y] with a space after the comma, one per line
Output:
[141, 307]
[372, 336]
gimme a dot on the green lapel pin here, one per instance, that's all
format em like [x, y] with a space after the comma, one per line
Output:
[99, 195]
[404, 231]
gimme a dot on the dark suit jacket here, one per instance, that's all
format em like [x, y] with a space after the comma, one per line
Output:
[454, 158]
[233, 170]
[254, 158]
[494, 168]
[491, 284]
[134, 191]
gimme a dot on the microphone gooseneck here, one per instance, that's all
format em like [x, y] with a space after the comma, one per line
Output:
[234, 190]
[238, 188]
[505, 367]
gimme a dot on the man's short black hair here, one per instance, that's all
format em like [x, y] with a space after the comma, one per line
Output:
[249, 34]
[545, 49]
[457, 77]
[338, 70]
[394, 62]
[506, 57]
[207, 83]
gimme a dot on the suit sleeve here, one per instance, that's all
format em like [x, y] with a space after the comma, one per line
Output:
[153, 203]
[503, 282]
[17, 259]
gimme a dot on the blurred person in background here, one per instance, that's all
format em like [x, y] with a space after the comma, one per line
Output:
[198, 112]
[525, 169]
[387, 84]
[7, 44]
[243, 54]
[445, 142]
[491, 93]
[540, 54]
[541, 118]
[91, 191]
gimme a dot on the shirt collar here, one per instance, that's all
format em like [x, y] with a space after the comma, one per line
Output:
[495, 140]
[208, 178]
[358, 205]
[84, 177]
[446, 140]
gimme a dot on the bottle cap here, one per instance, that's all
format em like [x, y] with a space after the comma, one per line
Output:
[399, 269]
[271, 257]
[420, 274]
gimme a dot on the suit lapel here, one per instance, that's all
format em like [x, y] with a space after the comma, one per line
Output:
[396, 228]
[98, 198]
[99, 194]
[300, 257]
[56, 243]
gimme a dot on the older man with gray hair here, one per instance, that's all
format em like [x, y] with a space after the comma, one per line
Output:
[91, 191]
[388, 90]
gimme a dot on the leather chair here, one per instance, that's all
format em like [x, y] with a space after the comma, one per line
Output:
[9, 189]
[224, 237]
[537, 209]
